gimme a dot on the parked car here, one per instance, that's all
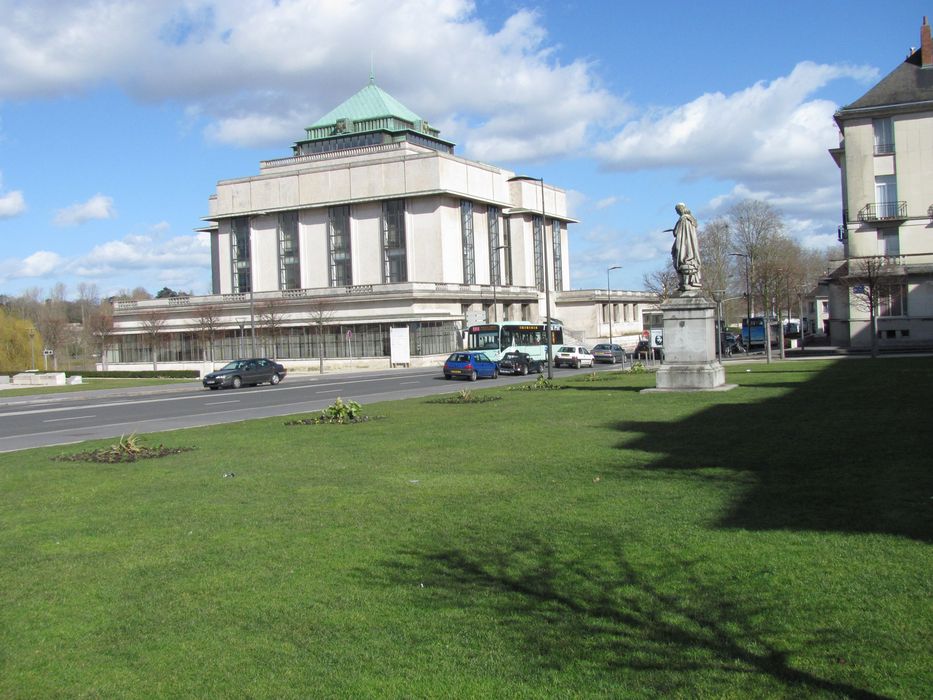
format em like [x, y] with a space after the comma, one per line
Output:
[245, 372]
[604, 352]
[470, 365]
[519, 363]
[573, 356]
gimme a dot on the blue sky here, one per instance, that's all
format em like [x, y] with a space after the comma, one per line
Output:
[117, 118]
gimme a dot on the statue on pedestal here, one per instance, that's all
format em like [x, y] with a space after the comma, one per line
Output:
[685, 252]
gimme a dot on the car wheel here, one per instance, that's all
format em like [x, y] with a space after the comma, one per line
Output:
[495, 374]
[275, 379]
[524, 370]
[213, 388]
[473, 376]
[446, 376]
[237, 382]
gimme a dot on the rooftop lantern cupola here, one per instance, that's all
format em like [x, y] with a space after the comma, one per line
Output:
[371, 117]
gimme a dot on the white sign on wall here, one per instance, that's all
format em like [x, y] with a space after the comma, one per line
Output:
[400, 349]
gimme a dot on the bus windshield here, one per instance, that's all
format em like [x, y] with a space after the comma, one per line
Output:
[484, 338]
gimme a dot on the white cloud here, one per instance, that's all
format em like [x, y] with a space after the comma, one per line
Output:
[248, 73]
[768, 135]
[146, 252]
[97, 207]
[12, 204]
[606, 202]
[40, 264]
[182, 262]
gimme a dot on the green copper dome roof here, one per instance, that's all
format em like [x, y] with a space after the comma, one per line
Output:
[371, 117]
[369, 103]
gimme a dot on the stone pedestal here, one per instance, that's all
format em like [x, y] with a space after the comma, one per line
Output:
[690, 362]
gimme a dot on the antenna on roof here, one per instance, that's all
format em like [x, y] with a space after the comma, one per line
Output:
[372, 69]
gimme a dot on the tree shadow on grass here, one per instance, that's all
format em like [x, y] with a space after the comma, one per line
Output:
[848, 450]
[658, 628]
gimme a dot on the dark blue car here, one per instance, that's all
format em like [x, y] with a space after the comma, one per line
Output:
[470, 365]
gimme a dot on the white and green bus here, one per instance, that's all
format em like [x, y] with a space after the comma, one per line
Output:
[496, 339]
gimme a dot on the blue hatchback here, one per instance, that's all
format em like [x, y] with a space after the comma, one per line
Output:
[470, 365]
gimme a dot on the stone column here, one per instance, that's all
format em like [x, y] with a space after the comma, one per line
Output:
[690, 362]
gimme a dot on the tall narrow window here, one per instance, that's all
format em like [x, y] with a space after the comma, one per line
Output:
[508, 250]
[240, 254]
[289, 267]
[466, 229]
[888, 242]
[495, 255]
[558, 263]
[539, 253]
[338, 240]
[884, 135]
[394, 258]
[886, 196]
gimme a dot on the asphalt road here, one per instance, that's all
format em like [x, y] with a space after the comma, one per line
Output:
[59, 419]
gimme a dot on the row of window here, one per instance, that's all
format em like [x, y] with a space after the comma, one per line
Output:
[305, 342]
[394, 248]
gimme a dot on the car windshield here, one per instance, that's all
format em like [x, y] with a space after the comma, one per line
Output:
[566, 348]
[236, 364]
[601, 347]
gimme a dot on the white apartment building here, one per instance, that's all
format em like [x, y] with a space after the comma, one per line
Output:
[886, 161]
[372, 223]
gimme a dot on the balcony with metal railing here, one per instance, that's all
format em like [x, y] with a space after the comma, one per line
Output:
[883, 211]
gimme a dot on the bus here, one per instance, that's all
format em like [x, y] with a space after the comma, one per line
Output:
[757, 337]
[496, 339]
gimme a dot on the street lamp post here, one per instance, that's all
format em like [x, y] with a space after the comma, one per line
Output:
[748, 297]
[495, 281]
[609, 301]
[547, 286]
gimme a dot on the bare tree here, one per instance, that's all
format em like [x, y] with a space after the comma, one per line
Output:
[152, 323]
[877, 285]
[320, 313]
[99, 329]
[662, 282]
[271, 319]
[758, 233]
[208, 325]
[53, 325]
[715, 246]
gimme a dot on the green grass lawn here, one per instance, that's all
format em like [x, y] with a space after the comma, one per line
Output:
[772, 541]
[90, 383]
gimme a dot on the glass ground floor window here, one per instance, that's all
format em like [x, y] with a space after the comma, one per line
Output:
[284, 343]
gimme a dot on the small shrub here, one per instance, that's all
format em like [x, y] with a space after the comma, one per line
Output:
[541, 383]
[128, 449]
[637, 368]
[340, 413]
[466, 396]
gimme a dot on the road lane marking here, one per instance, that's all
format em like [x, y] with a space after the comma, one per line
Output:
[278, 388]
[59, 420]
[219, 403]
[405, 383]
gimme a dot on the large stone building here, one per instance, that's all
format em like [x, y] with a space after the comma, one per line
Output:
[886, 161]
[372, 223]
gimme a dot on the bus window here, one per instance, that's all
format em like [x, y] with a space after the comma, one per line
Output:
[484, 339]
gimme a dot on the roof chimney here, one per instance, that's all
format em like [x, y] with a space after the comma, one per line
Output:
[926, 45]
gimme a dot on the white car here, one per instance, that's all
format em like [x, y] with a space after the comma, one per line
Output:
[573, 356]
